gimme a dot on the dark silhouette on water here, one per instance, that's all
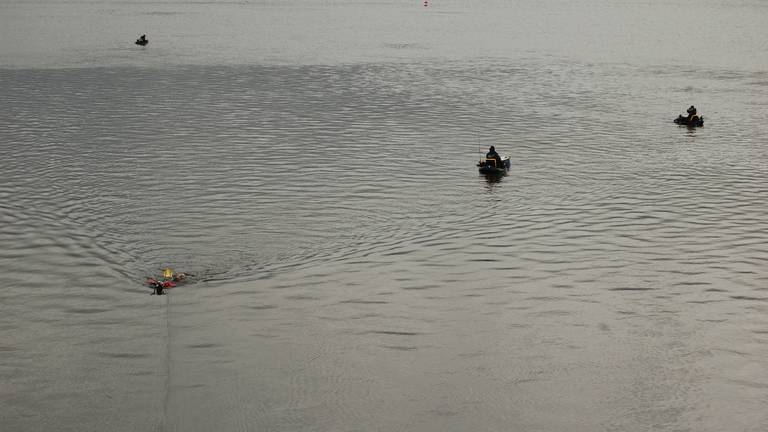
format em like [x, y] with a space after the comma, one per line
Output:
[493, 163]
[492, 155]
[692, 120]
[142, 40]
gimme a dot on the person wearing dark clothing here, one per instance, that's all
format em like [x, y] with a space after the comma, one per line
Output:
[692, 113]
[492, 155]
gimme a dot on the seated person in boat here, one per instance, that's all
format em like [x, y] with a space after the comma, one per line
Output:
[692, 117]
[492, 155]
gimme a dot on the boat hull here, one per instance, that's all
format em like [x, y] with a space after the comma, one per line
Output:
[683, 121]
[489, 168]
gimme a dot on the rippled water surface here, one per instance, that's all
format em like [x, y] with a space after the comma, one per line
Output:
[312, 164]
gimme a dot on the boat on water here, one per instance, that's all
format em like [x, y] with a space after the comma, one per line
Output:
[493, 167]
[694, 121]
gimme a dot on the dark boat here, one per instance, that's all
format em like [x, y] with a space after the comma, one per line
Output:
[491, 167]
[142, 41]
[695, 121]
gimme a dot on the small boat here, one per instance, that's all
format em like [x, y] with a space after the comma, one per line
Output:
[491, 167]
[142, 41]
[695, 121]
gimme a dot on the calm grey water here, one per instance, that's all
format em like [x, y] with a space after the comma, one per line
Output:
[312, 163]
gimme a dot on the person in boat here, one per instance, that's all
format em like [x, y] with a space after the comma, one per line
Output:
[691, 114]
[692, 118]
[492, 155]
[142, 40]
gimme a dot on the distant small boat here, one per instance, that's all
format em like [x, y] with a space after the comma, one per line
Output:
[141, 41]
[491, 167]
[696, 121]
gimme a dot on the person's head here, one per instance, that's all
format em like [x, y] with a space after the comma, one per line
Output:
[691, 110]
[492, 149]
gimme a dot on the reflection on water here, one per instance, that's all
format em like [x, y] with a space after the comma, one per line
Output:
[614, 279]
[492, 180]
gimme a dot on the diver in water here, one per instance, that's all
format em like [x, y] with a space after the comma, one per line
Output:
[169, 280]
[159, 286]
[169, 274]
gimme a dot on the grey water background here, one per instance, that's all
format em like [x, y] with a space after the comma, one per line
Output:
[312, 163]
